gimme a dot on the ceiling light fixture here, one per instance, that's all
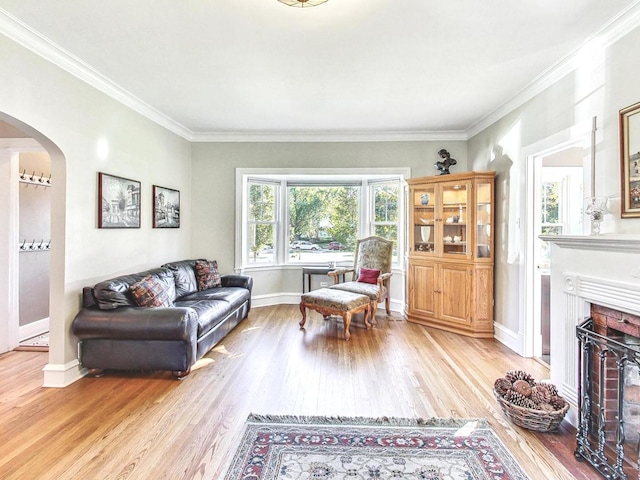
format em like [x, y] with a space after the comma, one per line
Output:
[302, 3]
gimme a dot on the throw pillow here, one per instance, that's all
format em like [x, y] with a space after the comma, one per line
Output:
[368, 275]
[150, 292]
[207, 275]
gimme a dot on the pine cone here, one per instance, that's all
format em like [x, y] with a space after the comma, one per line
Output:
[502, 386]
[557, 402]
[522, 387]
[513, 375]
[516, 398]
[541, 393]
[550, 387]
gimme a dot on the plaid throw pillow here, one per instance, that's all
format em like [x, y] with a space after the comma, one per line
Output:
[150, 292]
[207, 275]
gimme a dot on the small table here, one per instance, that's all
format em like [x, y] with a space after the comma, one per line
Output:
[309, 271]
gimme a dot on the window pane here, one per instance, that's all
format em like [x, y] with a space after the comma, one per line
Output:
[261, 202]
[550, 202]
[261, 242]
[323, 222]
[261, 226]
[385, 203]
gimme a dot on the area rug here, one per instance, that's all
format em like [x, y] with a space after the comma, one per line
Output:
[319, 448]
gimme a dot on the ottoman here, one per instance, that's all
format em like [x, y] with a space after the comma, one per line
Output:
[329, 301]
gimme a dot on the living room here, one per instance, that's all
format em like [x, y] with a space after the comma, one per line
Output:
[93, 126]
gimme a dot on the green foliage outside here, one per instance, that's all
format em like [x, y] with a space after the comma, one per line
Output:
[332, 210]
[261, 216]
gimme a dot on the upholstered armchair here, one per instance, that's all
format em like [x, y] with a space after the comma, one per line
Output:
[372, 254]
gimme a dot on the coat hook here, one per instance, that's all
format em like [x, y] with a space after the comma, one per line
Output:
[33, 176]
[41, 246]
[48, 246]
[23, 176]
[41, 179]
[49, 179]
[33, 244]
[23, 246]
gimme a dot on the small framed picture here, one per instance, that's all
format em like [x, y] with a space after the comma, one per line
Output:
[166, 207]
[118, 202]
[630, 161]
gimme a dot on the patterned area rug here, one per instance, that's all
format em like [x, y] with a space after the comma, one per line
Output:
[319, 448]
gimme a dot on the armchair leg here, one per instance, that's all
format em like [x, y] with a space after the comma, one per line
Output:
[387, 305]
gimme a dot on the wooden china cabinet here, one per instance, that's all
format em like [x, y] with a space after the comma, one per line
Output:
[451, 248]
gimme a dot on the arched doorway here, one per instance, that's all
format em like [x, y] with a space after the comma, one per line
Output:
[9, 261]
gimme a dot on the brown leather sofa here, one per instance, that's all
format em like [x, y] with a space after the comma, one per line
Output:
[116, 333]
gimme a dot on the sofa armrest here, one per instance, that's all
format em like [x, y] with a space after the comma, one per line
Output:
[131, 323]
[243, 281]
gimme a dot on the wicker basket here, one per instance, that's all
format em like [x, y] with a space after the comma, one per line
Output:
[528, 418]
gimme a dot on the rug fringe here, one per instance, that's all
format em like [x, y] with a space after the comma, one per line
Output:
[374, 421]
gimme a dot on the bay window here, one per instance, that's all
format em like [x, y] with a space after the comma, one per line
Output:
[307, 218]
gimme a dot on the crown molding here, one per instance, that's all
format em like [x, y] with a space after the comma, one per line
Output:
[617, 28]
[370, 136]
[29, 38]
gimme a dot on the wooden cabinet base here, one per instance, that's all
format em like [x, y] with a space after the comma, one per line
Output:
[459, 329]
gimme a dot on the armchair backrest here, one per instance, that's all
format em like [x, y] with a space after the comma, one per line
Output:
[373, 252]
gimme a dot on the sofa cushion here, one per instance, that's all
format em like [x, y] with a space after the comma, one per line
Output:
[151, 292]
[235, 296]
[184, 275]
[210, 312]
[114, 293]
[207, 274]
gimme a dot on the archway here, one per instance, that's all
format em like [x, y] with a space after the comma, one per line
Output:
[9, 254]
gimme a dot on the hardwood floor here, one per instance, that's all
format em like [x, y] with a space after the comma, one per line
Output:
[150, 426]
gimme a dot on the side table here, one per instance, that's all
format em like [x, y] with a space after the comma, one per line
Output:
[307, 272]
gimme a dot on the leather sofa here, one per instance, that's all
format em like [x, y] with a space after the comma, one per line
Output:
[116, 333]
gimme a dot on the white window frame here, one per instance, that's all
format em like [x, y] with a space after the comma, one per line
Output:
[365, 228]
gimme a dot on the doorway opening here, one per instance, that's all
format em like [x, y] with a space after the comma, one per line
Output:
[558, 172]
[558, 201]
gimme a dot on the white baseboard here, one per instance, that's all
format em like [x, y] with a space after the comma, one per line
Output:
[509, 338]
[33, 329]
[62, 375]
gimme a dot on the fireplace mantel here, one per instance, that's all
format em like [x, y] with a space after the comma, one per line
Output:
[610, 242]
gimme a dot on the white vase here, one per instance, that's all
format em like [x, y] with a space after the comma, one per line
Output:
[425, 233]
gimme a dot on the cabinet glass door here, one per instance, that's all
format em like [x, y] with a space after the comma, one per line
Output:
[455, 233]
[424, 219]
[484, 228]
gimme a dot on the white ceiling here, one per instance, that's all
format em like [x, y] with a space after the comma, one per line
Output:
[259, 67]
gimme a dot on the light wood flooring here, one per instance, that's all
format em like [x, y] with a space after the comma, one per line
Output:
[150, 426]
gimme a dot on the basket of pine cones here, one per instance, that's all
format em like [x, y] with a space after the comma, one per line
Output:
[530, 404]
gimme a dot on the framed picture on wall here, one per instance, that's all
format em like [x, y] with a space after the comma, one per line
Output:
[630, 161]
[118, 202]
[166, 207]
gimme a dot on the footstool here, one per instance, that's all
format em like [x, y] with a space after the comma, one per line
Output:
[329, 301]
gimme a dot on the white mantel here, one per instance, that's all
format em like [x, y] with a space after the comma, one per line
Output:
[599, 269]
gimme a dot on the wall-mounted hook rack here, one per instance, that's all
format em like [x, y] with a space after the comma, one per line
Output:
[34, 179]
[34, 246]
